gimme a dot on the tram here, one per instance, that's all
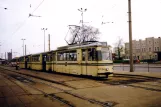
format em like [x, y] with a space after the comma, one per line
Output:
[15, 62]
[91, 59]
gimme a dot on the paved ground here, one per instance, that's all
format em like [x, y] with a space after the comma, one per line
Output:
[124, 89]
[138, 67]
[13, 94]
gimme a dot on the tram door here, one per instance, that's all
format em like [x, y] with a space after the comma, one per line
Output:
[26, 60]
[84, 62]
[44, 62]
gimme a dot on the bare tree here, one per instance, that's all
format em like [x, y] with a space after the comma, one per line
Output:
[119, 46]
[83, 34]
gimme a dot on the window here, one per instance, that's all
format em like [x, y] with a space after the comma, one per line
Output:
[149, 49]
[83, 54]
[104, 54]
[27, 59]
[72, 56]
[49, 58]
[35, 58]
[144, 49]
[21, 59]
[60, 56]
[92, 54]
[53, 57]
[155, 48]
[67, 56]
[158, 48]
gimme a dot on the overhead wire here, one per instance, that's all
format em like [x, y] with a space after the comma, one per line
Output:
[38, 6]
[27, 18]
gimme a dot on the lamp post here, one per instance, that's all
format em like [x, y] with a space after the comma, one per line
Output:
[44, 29]
[82, 10]
[23, 44]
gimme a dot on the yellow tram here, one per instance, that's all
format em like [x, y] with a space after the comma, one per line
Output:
[92, 59]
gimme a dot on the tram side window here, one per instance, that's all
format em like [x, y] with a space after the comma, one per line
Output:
[67, 56]
[83, 55]
[21, 59]
[60, 56]
[27, 59]
[92, 54]
[35, 59]
[53, 57]
[72, 56]
[48, 58]
[64, 57]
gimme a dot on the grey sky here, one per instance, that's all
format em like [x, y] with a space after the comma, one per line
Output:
[58, 14]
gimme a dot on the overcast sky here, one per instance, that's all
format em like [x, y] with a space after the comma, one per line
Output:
[58, 14]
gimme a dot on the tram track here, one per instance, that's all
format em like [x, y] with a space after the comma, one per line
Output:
[131, 80]
[54, 96]
[48, 80]
[12, 78]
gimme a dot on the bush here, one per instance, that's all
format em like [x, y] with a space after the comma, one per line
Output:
[117, 61]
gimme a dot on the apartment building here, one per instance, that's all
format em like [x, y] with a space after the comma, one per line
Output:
[150, 48]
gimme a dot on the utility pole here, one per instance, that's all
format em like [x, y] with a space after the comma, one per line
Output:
[25, 49]
[130, 36]
[49, 41]
[44, 29]
[23, 45]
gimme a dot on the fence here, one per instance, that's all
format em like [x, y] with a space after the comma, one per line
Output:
[146, 67]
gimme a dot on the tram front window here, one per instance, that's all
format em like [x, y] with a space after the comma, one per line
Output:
[104, 54]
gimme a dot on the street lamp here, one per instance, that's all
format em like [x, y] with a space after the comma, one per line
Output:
[82, 10]
[44, 29]
[23, 44]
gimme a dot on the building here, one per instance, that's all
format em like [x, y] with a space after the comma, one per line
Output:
[9, 54]
[150, 48]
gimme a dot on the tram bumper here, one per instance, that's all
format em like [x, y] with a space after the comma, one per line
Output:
[104, 74]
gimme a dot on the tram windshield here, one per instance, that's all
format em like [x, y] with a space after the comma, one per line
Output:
[104, 54]
[98, 55]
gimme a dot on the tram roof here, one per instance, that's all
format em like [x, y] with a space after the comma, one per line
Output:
[43, 52]
[88, 44]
